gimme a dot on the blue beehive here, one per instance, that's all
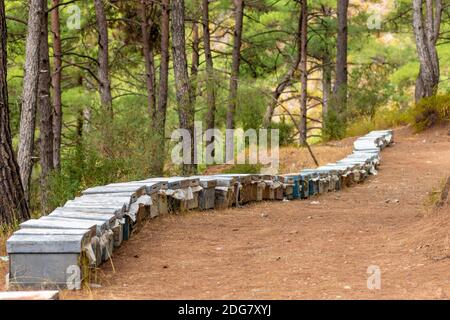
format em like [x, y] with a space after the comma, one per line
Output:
[296, 193]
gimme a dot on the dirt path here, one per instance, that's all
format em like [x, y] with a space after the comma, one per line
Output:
[302, 250]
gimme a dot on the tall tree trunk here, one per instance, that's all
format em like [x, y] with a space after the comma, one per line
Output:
[340, 86]
[326, 87]
[426, 31]
[234, 79]
[304, 73]
[30, 94]
[183, 88]
[146, 26]
[45, 111]
[103, 59]
[13, 204]
[195, 61]
[56, 83]
[210, 82]
[286, 81]
[159, 122]
[236, 60]
[103, 77]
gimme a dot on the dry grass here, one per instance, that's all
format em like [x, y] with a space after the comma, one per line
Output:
[438, 197]
[293, 159]
[4, 235]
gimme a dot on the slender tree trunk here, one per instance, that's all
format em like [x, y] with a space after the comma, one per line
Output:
[56, 83]
[103, 59]
[304, 73]
[286, 81]
[183, 89]
[45, 111]
[210, 82]
[326, 87]
[195, 61]
[426, 31]
[340, 86]
[159, 122]
[236, 60]
[13, 204]
[30, 94]
[234, 79]
[149, 60]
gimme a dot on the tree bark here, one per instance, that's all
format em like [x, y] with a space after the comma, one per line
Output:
[159, 121]
[45, 111]
[183, 89]
[30, 94]
[149, 59]
[13, 204]
[340, 86]
[286, 80]
[426, 31]
[304, 73]
[195, 61]
[103, 59]
[210, 83]
[56, 83]
[326, 87]
[236, 60]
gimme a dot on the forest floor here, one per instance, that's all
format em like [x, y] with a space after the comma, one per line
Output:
[319, 248]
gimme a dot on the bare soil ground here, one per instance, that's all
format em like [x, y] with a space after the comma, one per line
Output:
[314, 249]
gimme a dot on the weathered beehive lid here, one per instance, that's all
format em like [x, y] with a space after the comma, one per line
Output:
[61, 224]
[193, 181]
[340, 169]
[150, 186]
[164, 182]
[242, 178]
[365, 144]
[206, 182]
[109, 218]
[102, 199]
[111, 189]
[61, 232]
[345, 165]
[327, 170]
[351, 161]
[225, 181]
[122, 208]
[117, 212]
[388, 135]
[172, 183]
[318, 172]
[102, 225]
[367, 156]
[356, 160]
[71, 243]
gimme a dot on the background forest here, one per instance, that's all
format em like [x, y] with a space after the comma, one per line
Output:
[121, 75]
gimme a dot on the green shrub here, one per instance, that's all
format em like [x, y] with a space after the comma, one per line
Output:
[244, 168]
[430, 111]
[286, 132]
[334, 126]
[385, 118]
